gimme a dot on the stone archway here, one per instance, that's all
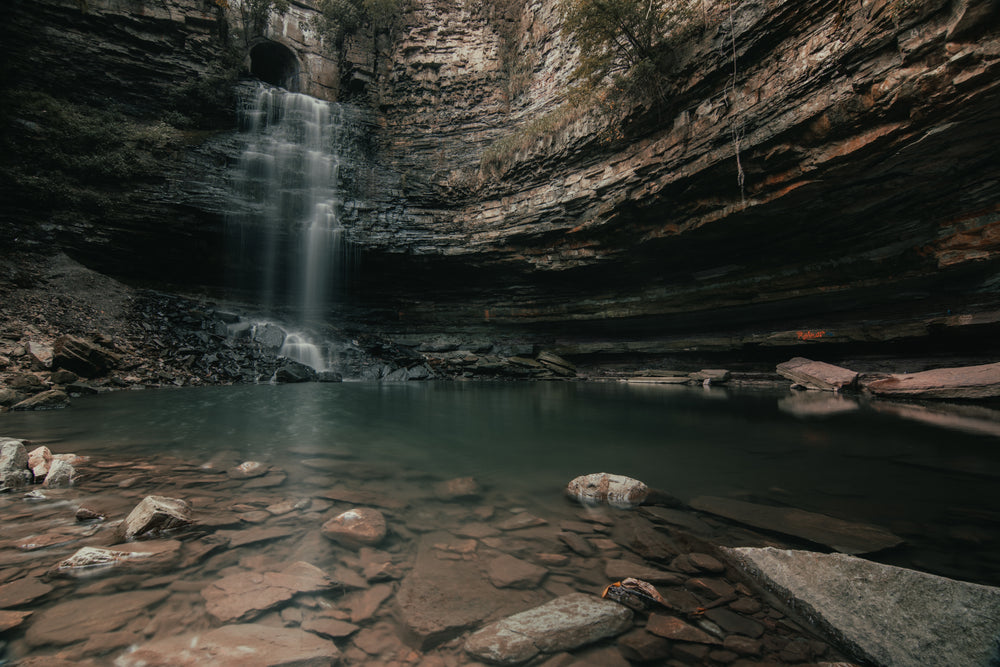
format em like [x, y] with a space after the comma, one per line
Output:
[276, 64]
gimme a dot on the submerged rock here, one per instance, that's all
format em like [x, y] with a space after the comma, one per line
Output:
[615, 490]
[246, 595]
[884, 615]
[241, 645]
[14, 471]
[248, 470]
[356, 528]
[563, 624]
[845, 536]
[153, 515]
[460, 488]
[80, 618]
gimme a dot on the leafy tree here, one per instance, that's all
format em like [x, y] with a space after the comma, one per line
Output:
[253, 16]
[338, 18]
[616, 37]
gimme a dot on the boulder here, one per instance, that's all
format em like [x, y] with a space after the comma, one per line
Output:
[41, 354]
[14, 471]
[962, 382]
[60, 475]
[240, 645]
[85, 358]
[845, 536]
[88, 560]
[711, 376]
[63, 377]
[246, 595]
[329, 376]
[248, 470]
[9, 397]
[817, 374]
[563, 624]
[615, 490]
[154, 514]
[356, 528]
[460, 488]
[291, 372]
[47, 400]
[39, 460]
[270, 336]
[883, 615]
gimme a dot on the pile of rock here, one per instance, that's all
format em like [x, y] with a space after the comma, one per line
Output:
[20, 468]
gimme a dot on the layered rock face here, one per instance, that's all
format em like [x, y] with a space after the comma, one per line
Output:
[812, 173]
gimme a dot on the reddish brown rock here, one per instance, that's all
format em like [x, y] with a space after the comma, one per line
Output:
[244, 596]
[677, 630]
[22, 591]
[155, 514]
[505, 571]
[356, 528]
[12, 619]
[247, 645]
[817, 374]
[75, 620]
[460, 488]
[962, 382]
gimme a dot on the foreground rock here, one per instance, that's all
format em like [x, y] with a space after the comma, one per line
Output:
[155, 514]
[615, 490]
[563, 624]
[885, 615]
[963, 382]
[53, 399]
[245, 595]
[442, 597]
[85, 358]
[844, 536]
[80, 618]
[817, 374]
[13, 464]
[246, 645]
[356, 528]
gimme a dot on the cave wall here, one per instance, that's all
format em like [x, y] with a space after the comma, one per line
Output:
[870, 208]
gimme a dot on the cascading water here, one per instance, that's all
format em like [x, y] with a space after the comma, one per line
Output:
[290, 247]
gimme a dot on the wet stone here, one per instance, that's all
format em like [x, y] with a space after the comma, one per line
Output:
[713, 588]
[742, 645]
[641, 646]
[460, 488]
[60, 475]
[357, 527]
[642, 537]
[73, 621]
[617, 570]
[364, 604]
[577, 544]
[328, 627]
[13, 463]
[39, 460]
[508, 572]
[746, 605]
[154, 514]
[235, 646]
[248, 470]
[520, 521]
[246, 595]
[615, 490]
[562, 624]
[735, 623]
[22, 591]
[675, 629]
[12, 619]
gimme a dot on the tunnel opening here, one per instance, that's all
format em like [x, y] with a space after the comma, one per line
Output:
[275, 64]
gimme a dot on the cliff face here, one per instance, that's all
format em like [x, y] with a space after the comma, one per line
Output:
[869, 209]
[866, 136]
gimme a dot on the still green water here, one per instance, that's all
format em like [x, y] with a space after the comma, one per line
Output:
[933, 486]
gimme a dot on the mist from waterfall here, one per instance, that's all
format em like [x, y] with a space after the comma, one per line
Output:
[288, 246]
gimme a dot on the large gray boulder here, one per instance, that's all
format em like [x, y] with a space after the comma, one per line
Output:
[13, 463]
[882, 614]
[563, 624]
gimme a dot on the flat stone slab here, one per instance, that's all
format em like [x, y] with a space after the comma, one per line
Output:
[562, 624]
[245, 595]
[817, 374]
[961, 382]
[884, 615]
[246, 645]
[81, 618]
[440, 598]
[845, 536]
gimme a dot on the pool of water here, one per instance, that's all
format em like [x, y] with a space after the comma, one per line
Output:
[933, 486]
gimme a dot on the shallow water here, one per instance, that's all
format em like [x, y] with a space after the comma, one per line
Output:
[523, 443]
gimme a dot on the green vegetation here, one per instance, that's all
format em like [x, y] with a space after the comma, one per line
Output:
[627, 42]
[339, 18]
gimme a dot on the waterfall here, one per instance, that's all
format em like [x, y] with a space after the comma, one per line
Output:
[288, 250]
[291, 251]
